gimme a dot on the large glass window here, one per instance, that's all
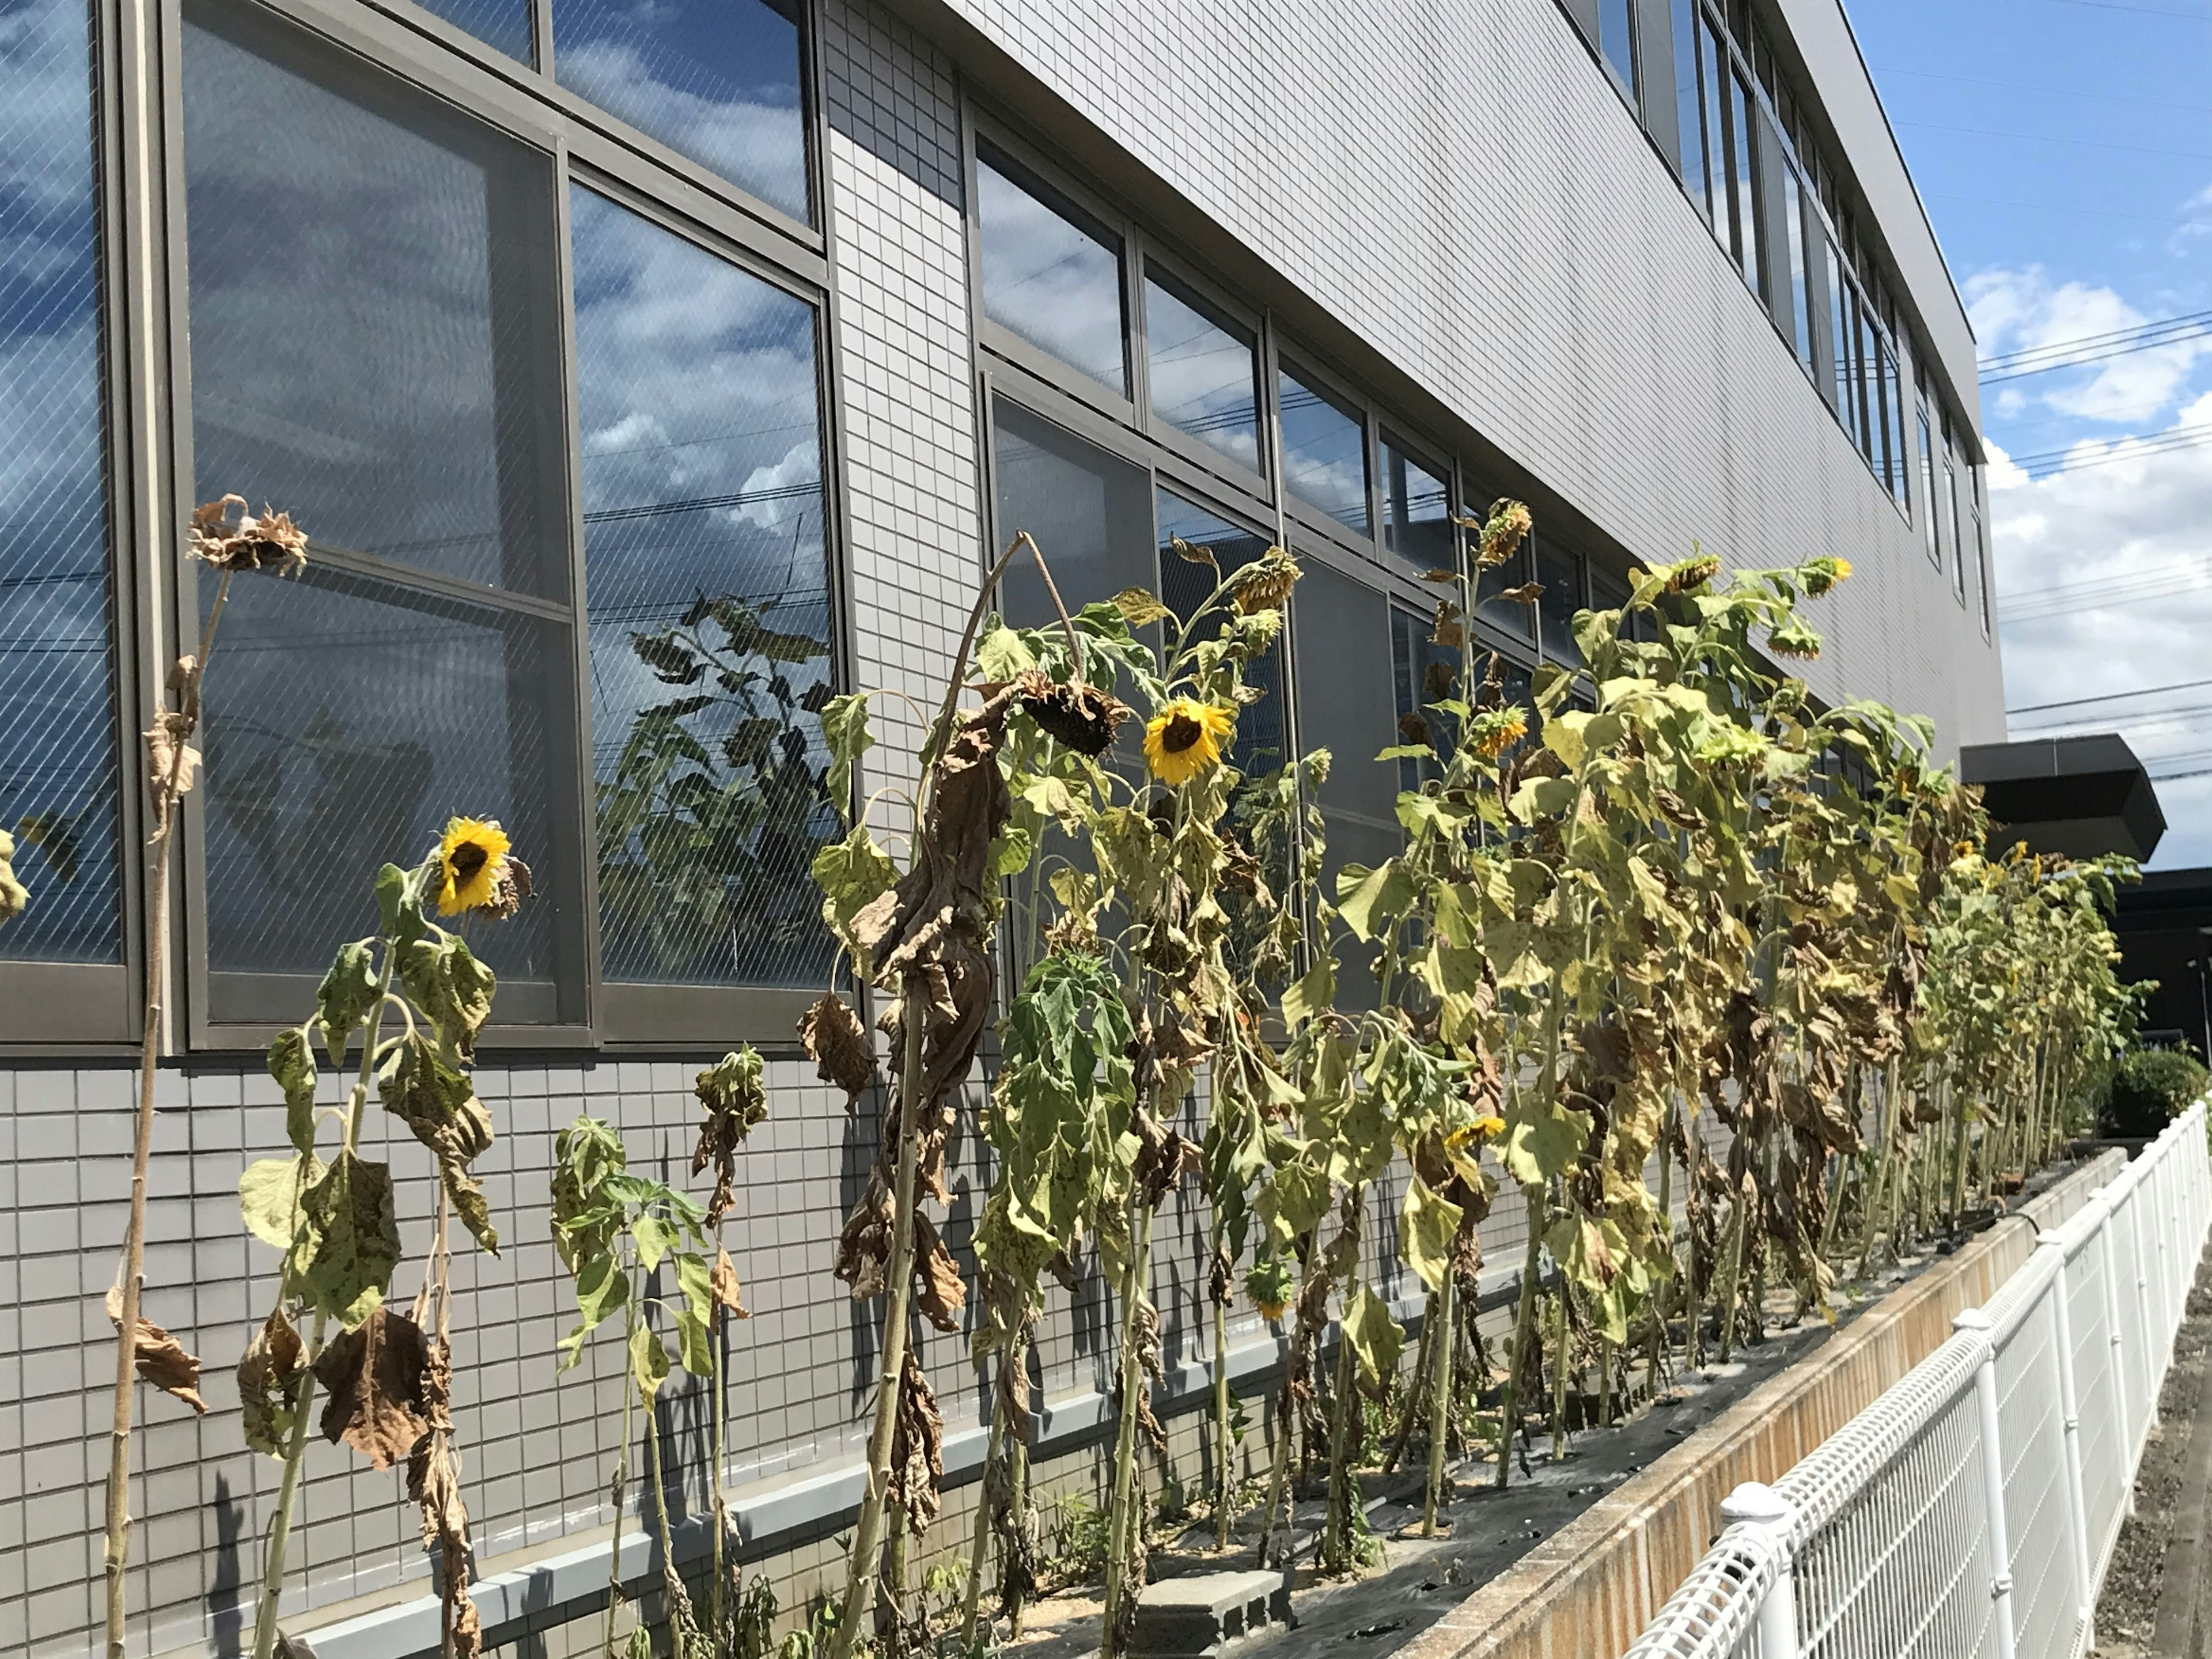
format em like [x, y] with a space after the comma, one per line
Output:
[1689, 116]
[1049, 275]
[1324, 451]
[1800, 276]
[1954, 523]
[1843, 378]
[1424, 673]
[1348, 705]
[58, 786]
[1089, 510]
[1744, 164]
[716, 80]
[1203, 371]
[1616, 40]
[1981, 555]
[1184, 586]
[1417, 523]
[708, 608]
[392, 380]
[1930, 533]
[1561, 574]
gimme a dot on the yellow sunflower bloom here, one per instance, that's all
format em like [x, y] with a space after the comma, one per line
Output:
[472, 857]
[1186, 737]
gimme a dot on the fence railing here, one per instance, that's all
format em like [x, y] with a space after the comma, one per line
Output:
[1973, 1508]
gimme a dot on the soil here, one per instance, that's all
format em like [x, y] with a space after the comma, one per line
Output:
[2128, 1607]
[1419, 1580]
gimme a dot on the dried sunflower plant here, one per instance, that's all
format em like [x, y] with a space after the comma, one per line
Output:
[387, 1376]
[924, 936]
[615, 1230]
[227, 539]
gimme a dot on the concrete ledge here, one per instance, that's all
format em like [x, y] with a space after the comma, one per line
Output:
[1588, 1592]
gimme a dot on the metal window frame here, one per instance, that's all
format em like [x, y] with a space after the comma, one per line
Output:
[582, 146]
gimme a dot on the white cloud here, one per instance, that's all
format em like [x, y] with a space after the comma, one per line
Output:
[2122, 555]
[2019, 310]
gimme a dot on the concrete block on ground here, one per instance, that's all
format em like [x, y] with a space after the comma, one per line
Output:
[1204, 1615]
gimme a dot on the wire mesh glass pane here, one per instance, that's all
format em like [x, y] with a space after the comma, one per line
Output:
[1049, 275]
[1089, 511]
[709, 603]
[716, 80]
[1324, 451]
[346, 721]
[1184, 587]
[1203, 372]
[374, 310]
[504, 24]
[1417, 523]
[1561, 574]
[58, 772]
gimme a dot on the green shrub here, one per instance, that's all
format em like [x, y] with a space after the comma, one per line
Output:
[2150, 1089]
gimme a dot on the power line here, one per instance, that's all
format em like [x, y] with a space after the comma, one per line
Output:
[2110, 696]
[2008, 359]
[2095, 348]
[2121, 449]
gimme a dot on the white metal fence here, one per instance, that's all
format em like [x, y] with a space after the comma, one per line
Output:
[1973, 1508]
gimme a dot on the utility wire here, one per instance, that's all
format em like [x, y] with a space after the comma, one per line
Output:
[2071, 353]
[2110, 696]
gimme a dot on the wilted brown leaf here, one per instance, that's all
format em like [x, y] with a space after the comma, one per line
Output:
[433, 1481]
[160, 1359]
[723, 1282]
[838, 1044]
[376, 1375]
[917, 1448]
[939, 1290]
[267, 1374]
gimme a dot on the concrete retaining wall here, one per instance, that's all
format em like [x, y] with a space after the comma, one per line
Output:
[1589, 1590]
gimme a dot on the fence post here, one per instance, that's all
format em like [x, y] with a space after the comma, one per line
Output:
[1978, 1320]
[2077, 1501]
[1758, 1505]
[2110, 1275]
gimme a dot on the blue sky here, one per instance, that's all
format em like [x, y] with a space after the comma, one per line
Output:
[2063, 148]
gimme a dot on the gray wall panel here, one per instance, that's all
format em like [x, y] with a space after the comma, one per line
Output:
[1463, 190]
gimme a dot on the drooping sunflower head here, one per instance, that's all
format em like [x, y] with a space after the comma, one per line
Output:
[1794, 639]
[1508, 526]
[1185, 738]
[234, 539]
[472, 866]
[1269, 1283]
[1083, 717]
[1821, 574]
[1695, 571]
[1496, 730]
[1264, 583]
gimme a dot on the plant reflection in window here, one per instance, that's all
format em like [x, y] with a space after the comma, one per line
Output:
[711, 820]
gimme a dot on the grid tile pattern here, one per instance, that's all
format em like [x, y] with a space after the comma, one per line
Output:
[1508, 237]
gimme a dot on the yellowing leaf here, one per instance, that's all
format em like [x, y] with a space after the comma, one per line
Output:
[1428, 1222]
